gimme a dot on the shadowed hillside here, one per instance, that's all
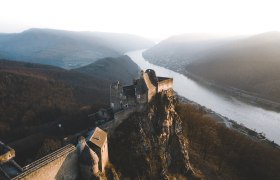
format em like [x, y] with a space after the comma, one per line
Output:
[251, 64]
[178, 140]
[150, 144]
[222, 153]
[32, 95]
[67, 49]
[183, 49]
[112, 69]
[247, 63]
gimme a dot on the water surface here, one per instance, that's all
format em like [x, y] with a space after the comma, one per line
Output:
[252, 116]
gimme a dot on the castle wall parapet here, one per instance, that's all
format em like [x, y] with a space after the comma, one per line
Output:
[165, 84]
[120, 116]
[60, 164]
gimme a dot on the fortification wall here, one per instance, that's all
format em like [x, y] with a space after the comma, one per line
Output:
[165, 85]
[119, 117]
[152, 89]
[61, 164]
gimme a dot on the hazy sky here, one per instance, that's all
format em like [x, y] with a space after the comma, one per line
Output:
[149, 18]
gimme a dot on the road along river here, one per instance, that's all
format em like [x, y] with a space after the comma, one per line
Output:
[251, 116]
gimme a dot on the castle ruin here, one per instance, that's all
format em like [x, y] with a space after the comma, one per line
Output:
[93, 153]
[140, 92]
[90, 157]
[87, 160]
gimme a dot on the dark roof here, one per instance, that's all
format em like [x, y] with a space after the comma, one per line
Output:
[162, 78]
[97, 137]
[129, 90]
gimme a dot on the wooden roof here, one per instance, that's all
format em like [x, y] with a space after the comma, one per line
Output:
[98, 137]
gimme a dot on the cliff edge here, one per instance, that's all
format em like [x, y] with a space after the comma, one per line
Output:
[150, 144]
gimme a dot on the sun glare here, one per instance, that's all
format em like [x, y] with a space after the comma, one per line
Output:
[147, 18]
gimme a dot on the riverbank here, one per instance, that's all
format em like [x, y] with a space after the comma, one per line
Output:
[240, 94]
[245, 96]
[251, 115]
[229, 123]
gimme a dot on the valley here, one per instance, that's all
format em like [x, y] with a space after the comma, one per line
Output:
[246, 66]
[252, 116]
[199, 131]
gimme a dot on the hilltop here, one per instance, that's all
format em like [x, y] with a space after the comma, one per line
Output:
[67, 49]
[112, 69]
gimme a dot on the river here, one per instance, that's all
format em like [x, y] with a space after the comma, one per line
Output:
[251, 116]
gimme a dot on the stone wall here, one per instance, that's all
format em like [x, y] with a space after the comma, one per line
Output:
[61, 164]
[116, 91]
[105, 154]
[165, 84]
[119, 117]
[152, 90]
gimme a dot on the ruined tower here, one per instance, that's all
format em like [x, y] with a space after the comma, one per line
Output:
[97, 141]
[141, 91]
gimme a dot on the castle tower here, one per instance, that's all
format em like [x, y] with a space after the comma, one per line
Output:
[116, 96]
[140, 92]
[97, 141]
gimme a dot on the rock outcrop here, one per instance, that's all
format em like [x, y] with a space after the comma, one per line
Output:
[150, 144]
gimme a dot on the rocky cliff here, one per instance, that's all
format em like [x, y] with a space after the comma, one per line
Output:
[150, 144]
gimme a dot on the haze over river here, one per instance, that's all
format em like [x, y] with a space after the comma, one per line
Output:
[253, 117]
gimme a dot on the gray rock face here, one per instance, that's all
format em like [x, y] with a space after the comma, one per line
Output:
[150, 144]
[173, 146]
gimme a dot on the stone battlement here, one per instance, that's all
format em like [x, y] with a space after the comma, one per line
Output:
[60, 164]
[119, 117]
[140, 92]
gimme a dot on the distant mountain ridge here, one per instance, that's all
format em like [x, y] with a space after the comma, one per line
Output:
[184, 49]
[67, 49]
[249, 63]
